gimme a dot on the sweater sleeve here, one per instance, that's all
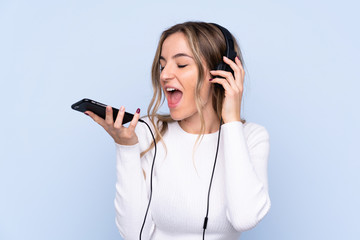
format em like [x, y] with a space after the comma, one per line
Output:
[131, 197]
[246, 155]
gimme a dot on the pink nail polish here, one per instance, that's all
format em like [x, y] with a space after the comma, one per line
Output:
[138, 110]
[211, 79]
[237, 57]
[86, 114]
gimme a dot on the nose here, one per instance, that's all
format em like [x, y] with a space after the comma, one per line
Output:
[167, 73]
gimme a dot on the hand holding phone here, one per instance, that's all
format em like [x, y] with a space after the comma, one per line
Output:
[111, 119]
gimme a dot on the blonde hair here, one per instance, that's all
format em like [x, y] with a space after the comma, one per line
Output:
[207, 44]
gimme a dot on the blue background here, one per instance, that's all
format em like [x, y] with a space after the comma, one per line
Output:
[57, 167]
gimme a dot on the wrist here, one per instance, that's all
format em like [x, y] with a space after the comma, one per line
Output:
[127, 142]
[231, 119]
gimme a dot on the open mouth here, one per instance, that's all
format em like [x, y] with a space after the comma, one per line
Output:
[173, 96]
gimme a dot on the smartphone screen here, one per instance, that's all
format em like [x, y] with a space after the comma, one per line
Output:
[99, 109]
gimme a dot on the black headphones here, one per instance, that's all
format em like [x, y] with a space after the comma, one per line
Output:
[230, 49]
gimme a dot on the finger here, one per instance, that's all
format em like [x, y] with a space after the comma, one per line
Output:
[225, 74]
[109, 119]
[96, 118]
[223, 83]
[135, 120]
[120, 117]
[242, 71]
[234, 67]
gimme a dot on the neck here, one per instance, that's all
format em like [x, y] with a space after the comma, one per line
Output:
[193, 123]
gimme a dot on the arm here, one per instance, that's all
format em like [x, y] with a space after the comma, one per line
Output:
[131, 193]
[246, 187]
[245, 156]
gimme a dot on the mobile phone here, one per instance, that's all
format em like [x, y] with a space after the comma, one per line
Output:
[99, 109]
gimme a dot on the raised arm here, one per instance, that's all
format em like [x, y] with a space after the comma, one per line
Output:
[131, 189]
[131, 193]
[246, 151]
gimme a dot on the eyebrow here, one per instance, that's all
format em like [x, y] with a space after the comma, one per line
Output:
[176, 56]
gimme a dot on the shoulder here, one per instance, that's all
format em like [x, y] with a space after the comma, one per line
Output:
[255, 133]
[251, 128]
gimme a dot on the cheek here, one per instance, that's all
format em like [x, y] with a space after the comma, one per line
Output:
[190, 79]
[190, 87]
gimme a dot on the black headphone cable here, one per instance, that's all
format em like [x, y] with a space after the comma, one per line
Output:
[211, 179]
[151, 175]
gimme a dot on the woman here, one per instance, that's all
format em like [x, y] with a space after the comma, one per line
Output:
[183, 72]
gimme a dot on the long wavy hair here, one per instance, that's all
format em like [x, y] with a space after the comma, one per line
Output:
[207, 44]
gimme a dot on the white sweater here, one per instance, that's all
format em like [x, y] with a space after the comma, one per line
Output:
[239, 196]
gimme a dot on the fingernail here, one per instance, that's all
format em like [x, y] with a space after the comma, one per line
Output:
[138, 110]
[86, 114]
[108, 109]
[211, 79]
[122, 109]
[237, 57]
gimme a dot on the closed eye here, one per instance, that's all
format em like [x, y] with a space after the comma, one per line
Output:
[182, 66]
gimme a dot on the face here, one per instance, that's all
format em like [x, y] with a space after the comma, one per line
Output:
[179, 76]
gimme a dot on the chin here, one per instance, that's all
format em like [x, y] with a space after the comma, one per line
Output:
[178, 114]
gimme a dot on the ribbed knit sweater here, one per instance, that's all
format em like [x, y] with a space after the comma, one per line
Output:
[239, 196]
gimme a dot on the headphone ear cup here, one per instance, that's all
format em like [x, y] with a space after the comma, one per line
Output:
[221, 66]
[224, 67]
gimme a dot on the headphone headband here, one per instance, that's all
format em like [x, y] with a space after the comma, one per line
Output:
[230, 49]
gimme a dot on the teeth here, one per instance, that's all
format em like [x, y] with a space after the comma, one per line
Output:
[170, 89]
